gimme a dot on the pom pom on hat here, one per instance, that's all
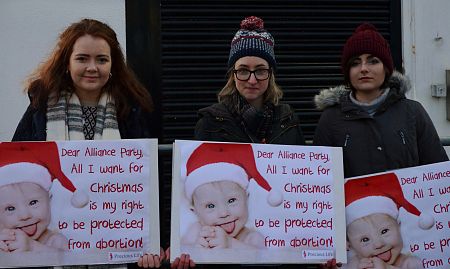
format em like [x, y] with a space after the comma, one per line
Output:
[366, 39]
[252, 40]
[426, 221]
[213, 162]
[275, 198]
[379, 194]
[252, 23]
[79, 199]
[36, 162]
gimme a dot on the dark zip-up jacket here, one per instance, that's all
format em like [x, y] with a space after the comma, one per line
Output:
[400, 134]
[217, 124]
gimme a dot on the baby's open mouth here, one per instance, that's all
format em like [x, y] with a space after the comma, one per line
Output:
[229, 226]
[385, 256]
[30, 230]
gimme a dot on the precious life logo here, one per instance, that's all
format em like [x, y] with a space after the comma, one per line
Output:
[318, 254]
[125, 256]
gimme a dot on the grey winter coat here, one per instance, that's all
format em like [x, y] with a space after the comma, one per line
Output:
[400, 134]
[217, 124]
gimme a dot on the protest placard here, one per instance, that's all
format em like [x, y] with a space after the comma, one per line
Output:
[400, 218]
[78, 202]
[257, 203]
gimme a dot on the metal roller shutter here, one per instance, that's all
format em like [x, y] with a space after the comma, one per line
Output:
[180, 49]
[195, 42]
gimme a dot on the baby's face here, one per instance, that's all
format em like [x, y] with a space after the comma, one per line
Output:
[377, 235]
[25, 206]
[223, 204]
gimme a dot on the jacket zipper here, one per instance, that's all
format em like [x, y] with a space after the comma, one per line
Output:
[402, 135]
[246, 132]
[347, 139]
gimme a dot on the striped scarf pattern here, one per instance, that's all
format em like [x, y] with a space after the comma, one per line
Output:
[65, 119]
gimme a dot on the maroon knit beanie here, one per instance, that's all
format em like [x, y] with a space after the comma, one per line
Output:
[366, 39]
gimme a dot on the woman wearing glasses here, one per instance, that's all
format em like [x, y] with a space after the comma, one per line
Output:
[249, 108]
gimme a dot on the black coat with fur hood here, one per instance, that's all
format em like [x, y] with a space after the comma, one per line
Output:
[400, 134]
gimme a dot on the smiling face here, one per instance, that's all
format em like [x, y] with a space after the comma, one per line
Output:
[89, 67]
[377, 235]
[367, 74]
[25, 206]
[252, 89]
[222, 204]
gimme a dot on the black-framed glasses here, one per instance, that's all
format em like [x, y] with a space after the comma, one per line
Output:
[244, 74]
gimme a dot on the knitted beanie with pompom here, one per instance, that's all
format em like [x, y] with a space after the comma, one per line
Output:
[252, 40]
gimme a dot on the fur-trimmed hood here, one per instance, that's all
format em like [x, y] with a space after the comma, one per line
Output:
[398, 83]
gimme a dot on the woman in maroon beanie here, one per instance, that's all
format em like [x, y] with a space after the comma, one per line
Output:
[378, 128]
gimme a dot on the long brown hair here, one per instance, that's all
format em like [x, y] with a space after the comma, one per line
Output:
[51, 77]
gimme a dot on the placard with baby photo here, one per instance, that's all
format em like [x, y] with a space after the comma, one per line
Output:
[78, 202]
[257, 203]
[399, 219]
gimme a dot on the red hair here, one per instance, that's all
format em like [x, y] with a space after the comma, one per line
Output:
[51, 76]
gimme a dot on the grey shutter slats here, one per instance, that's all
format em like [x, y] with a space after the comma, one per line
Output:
[195, 42]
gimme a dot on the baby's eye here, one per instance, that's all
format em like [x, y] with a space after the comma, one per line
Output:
[33, 202]
[365, 239]
[384, 231]
[10, 208]
[210, 206]
[232, 200]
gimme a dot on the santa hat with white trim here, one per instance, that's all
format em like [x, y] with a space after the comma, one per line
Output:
[36, 162]
[213, 162]
[379, 194]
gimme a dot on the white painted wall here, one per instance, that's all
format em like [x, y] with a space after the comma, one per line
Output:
[28, 33]
[426, 54]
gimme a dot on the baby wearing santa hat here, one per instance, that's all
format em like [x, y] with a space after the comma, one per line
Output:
[216, 184]
[26, 174]
[373, 228]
